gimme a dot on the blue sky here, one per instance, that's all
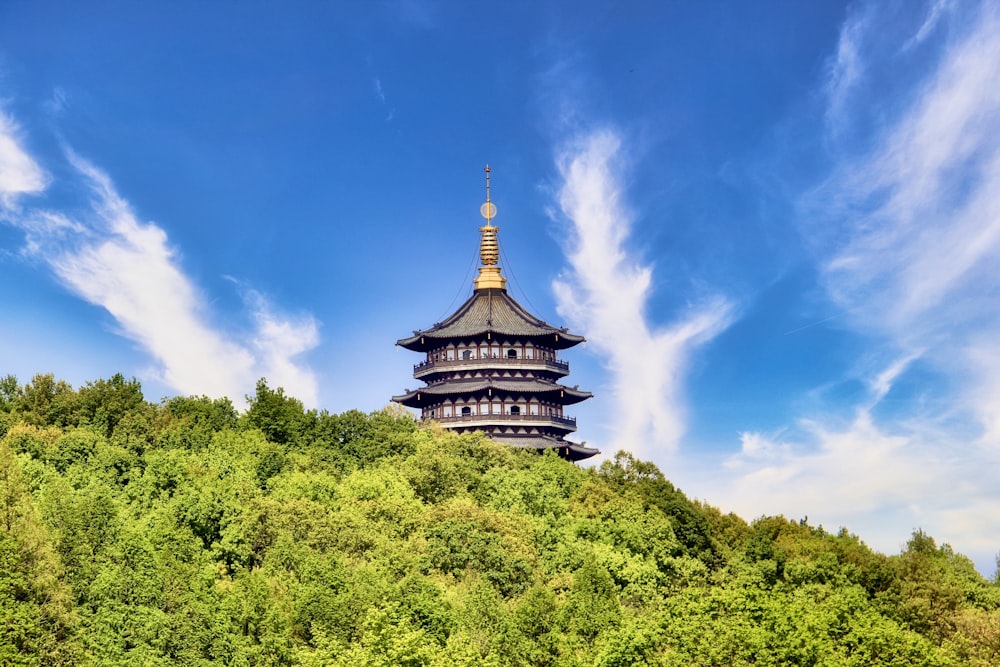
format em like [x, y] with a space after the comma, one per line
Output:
[778, 224]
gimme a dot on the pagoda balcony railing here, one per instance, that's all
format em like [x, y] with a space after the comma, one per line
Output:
[427, 367]
[527, 420]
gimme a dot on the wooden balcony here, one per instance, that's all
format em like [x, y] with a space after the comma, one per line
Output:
[425, 368]
[567, 424]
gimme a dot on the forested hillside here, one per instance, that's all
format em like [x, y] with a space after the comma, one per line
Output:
[184, 533]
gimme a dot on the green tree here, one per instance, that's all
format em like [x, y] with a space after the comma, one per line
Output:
[39, 626]
[463, 538]
[592, 605]
[189, 422]
[690, 525]
[105, 403]
[10, 392]
[353, 439]
[182, 533]
[282, 419]
[46, 402]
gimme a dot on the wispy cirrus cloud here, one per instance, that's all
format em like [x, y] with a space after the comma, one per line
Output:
[605, 293]
[380, 95]
[108, 257]
[845, 71]
[938, 10]
[919, 214]
[907, 244]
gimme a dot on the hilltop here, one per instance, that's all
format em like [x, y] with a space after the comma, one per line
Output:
[184, 532]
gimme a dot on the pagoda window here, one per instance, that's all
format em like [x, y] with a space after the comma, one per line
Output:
[512, 353]
[466, 411]
[497, 408]
[466, 354]
[515, 409]
[533, 408]
[451, 355]
[447, 411]
[529, 353]
[496, 351]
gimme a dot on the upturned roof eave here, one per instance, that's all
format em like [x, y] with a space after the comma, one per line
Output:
[498, 305]
[567, 395]
[407, 399]
[565, 340]
[573, 451]
[578, 452]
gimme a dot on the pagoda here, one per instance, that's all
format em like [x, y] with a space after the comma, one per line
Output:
[494, 367]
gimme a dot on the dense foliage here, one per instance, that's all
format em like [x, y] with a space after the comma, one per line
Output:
[183, 532]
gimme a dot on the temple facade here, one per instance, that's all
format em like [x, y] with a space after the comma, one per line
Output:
[494, 367]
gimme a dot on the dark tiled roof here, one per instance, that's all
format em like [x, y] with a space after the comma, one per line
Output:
[494, 311]
[569, 395]
[574, 451]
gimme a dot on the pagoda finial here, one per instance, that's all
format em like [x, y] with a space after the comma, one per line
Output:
[489, 248]
[488, 210]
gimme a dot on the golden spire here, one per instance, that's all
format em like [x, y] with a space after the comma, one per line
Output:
[489, 249]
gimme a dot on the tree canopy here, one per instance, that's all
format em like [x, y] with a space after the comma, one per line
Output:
[184, 532]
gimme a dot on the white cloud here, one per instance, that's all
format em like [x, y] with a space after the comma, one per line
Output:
[918, 260]
[19, 173]
[856, 469]
[981, 360]
[934, 16]
[605, 292]
[58, 102]
[882, 382]
[910, 254]
[880, 484]
[277, 340]
[845, 71]
[111, 259]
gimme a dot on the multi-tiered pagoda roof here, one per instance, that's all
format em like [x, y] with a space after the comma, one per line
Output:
[493, 367]
[491, 311]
